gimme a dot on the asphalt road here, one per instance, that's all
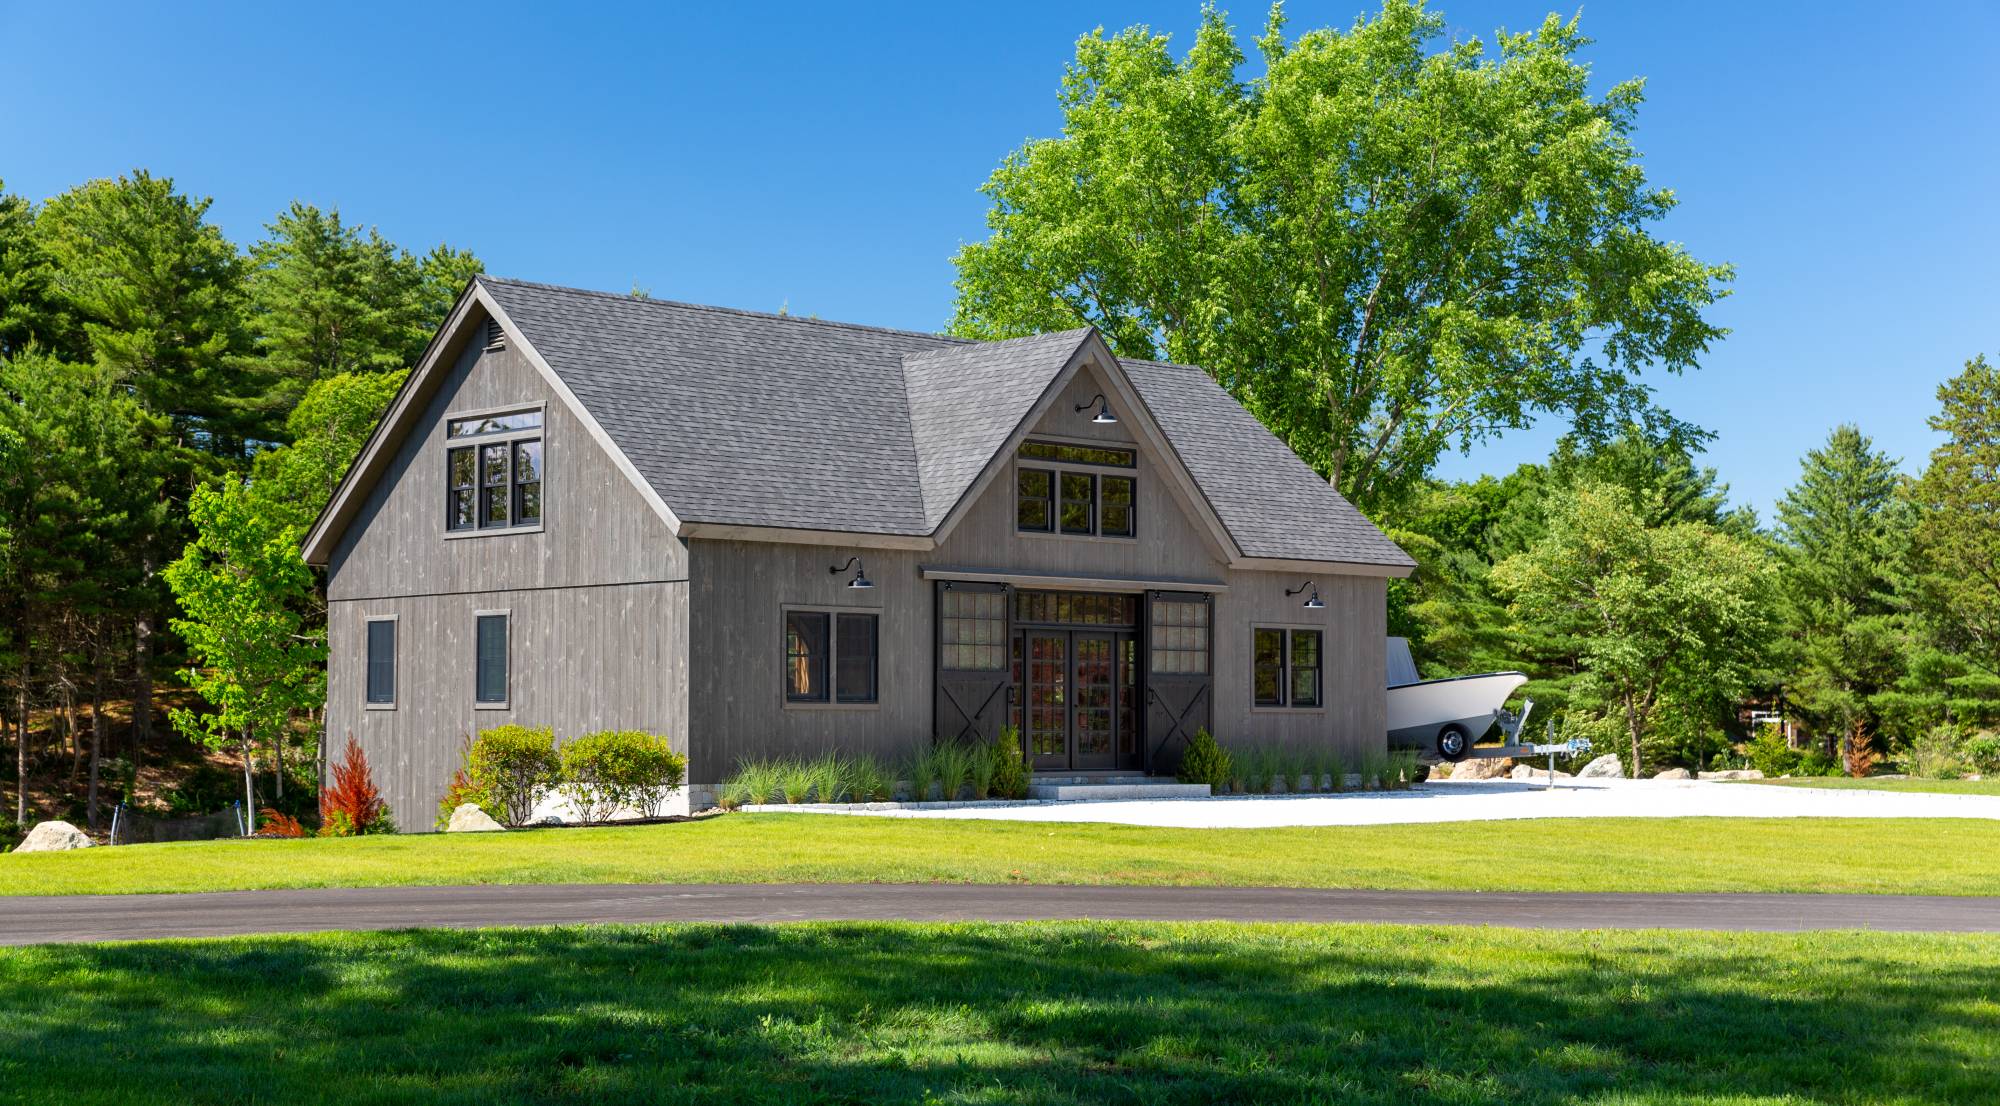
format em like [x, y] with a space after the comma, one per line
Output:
[42, 920]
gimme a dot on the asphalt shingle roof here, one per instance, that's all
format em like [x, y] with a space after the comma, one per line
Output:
[743, 418]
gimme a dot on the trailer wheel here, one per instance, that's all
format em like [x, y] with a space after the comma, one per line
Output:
[1454, 743]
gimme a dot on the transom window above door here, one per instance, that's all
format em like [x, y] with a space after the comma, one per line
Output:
[1060, 488]
[493, 481]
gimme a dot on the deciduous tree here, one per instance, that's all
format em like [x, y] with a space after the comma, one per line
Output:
[1383, 249]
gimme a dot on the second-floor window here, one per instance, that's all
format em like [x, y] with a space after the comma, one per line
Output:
[493, 471]
[1065, 489]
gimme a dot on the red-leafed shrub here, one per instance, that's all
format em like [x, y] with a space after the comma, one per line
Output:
[277, 823]
[350, 805]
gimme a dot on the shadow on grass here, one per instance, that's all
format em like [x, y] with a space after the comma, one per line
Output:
[1055, 1012]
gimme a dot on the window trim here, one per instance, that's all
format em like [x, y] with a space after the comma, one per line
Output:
[1285, 670]
[1059, 469]
[395, 661]
[833, 701]
[476, 443]
[506, 658]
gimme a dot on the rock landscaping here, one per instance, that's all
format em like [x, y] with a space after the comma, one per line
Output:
[53, 837]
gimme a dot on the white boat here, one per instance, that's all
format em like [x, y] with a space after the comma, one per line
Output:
[1448, 715]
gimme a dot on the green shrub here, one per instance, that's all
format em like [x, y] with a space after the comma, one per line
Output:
[1936, 754]
[613, 769]
[514, 765]
[1011, 770]
[1982, 752]
[1333, 768]
[1205, 762]
[1772, 755]
[870, 780]
[832, 777]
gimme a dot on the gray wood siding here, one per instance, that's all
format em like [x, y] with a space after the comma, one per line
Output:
[597, 529]
[739, 590]
[579, 659]
[599, 623]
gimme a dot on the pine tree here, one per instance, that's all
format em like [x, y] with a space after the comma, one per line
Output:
[1833, 543]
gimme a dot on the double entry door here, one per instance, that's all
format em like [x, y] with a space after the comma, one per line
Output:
[1079, 696]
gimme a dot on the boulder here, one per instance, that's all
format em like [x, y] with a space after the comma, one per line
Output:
[468, 818]
[1672, 774]
[1482, 768]
[1733, 774]
[1530, 772]
[1604, 767]
[53, 837]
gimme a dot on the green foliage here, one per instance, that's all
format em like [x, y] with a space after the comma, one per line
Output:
[1383, 249]
[953, 765]
[611, 770]
[515, 765]
[1938, 753]
[793, 781]
[1652, 614]
[1771, 754]
[923, 774]
[1954, 574]
[981, 767]
[1011, 770]
[460, 791]
[754, 782]
[869, 780]
[1205, 761]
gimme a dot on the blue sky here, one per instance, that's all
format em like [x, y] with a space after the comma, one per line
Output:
[827, 157]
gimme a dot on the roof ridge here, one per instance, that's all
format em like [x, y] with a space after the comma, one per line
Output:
[923, 354]
[625, 297]
[1163, 364]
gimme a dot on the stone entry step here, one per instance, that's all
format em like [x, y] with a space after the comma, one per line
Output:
[1133, 788]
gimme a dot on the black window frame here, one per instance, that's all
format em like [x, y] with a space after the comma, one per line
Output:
[972, 631]
[1288, 668]
[1059, 463]
[833, 689]
[480, 659]
[517, 432]
[372, 665]
[1179, 648]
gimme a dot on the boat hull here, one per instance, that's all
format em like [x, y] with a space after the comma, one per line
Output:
[1418, 712]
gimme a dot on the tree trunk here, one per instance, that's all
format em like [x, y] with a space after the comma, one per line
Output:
[1632, 725]
[249, 792]
[21, 749]
[278, 763]
[69, 724]
[96, 739]
[142, 682]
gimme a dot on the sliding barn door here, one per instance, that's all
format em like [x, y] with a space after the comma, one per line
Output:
[974, 676]
[1180, 677]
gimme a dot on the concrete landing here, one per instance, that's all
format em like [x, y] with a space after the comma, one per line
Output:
[1140, 788]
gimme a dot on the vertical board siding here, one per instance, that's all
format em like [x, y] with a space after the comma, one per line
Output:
[738, 591]
[598, 630]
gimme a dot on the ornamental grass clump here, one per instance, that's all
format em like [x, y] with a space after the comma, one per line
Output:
[831, 777]
[1375, 770]
[794, 781]
[514, 765]
[954, 769]
[923, 774]
[753, 784]
[981, 767]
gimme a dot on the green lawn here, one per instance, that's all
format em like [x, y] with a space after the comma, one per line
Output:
[1930, 856]
[1848, 783]
[1027, 1013]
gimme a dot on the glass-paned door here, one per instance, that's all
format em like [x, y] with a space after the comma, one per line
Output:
[1096, 703]
[1046, 698]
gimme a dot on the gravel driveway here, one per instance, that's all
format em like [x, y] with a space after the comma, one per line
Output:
[1480, 801]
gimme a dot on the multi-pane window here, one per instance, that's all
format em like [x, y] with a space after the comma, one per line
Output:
[1286, 668]
[381, 667]
[1034, 502]
[973, 625]
[1079, 503]
[1076, 608]
[1059, 500]
[496, 482]
[832, 656]
[1180, 636]
[490, 660]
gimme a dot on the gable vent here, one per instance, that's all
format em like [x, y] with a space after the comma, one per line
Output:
[495, 337]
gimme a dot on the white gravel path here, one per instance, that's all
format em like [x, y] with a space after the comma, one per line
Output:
[1480, 801]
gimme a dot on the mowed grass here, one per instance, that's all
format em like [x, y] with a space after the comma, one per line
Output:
[1848, 783]
[1918, 856]
[1016, 1013]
